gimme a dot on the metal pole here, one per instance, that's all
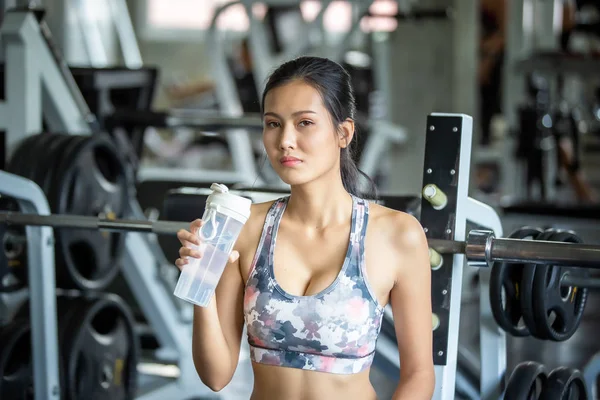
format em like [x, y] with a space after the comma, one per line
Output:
[480, 248]
[202, 120]
[544, 252]
[447, 246]
[83, 222]
[190, 119]
[589, 283]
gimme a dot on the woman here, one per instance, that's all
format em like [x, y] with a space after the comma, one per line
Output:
[492, 44]
[313, 303]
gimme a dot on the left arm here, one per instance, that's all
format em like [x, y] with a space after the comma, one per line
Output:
[410, 299]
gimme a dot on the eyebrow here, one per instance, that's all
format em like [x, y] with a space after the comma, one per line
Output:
[294, 114]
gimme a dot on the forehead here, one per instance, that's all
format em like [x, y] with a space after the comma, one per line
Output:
[293, 96]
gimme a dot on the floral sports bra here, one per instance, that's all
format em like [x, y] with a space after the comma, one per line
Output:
[333, 331]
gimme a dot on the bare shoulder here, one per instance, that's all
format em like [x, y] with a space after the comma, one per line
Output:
[405, 241]
[403, 229]
[252, 229]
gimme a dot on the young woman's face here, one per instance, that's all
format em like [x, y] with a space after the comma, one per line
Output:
[299, 136]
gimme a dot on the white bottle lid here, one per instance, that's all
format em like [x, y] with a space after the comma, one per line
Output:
[234, 206]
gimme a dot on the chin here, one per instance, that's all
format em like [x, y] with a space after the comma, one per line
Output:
[292, 178]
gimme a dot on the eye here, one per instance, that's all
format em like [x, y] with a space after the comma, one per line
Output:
[305, 123]
[272, 124]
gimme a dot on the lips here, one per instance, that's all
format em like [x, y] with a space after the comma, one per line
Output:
[289, 161]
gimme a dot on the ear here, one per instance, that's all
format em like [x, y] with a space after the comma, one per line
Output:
[346, 133]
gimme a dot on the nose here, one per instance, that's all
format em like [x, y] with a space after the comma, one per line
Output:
[287, 140]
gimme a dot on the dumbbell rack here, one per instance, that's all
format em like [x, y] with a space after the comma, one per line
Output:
[37, 84]
[40, 253]
[171, 327]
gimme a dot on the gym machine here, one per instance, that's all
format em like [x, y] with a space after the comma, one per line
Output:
[45, 87]
[94, 43]
[312, 41]
[237, 130]
[533, 48]
[39, 85]
[383, 131]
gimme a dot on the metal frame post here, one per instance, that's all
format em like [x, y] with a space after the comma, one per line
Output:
[42, 305]
[447, 166]
[130, 48]
[547, 23]
[263, 59]
[492, 339]
[172, 333]
[238, 140]
[440, 157]
[21, 112]
[519, 33]
[87, 27]
[34, 84]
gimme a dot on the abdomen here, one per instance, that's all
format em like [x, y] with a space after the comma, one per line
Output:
[271, 383]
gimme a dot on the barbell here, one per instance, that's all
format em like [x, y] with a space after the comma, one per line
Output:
[481, 248]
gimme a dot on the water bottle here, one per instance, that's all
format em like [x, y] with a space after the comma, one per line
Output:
[224, 217]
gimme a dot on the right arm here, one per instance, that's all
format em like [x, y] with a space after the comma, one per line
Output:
[217, 329]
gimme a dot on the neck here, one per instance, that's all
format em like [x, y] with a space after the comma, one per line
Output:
[320, 204]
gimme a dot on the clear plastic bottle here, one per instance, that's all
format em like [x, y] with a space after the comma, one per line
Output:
[224, 217]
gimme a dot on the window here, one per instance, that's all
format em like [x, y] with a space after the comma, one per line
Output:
[197, 15]
[172, 16]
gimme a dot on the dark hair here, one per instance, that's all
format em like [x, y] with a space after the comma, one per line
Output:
[334, 85]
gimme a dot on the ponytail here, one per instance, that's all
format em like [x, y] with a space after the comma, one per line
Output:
[351, 176]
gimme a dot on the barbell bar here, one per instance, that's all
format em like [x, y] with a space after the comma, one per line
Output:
[573, 281]
[207, 121]
[94, 223]
[481, 247]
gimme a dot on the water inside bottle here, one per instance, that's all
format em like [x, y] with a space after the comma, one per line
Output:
[201, 276]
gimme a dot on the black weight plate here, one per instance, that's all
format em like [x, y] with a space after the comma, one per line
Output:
[98, 175]
[20, 159]
[526, 381]
[66, 271]
[93, 182]
[591, 376]
[53, 163]
[527, 310]
[47, 159]
[505, 282]
[16, 377]
[558, 309]
[564, 384]
[13, 251]
[66, 158]
[99, 349]
[37, 151]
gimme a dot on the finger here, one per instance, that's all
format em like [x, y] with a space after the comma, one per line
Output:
[234, 256]
[195, 226]
[187, 252]
[180, 262]
[186, 237]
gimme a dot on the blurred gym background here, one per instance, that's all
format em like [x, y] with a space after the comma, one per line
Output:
[526, 70]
